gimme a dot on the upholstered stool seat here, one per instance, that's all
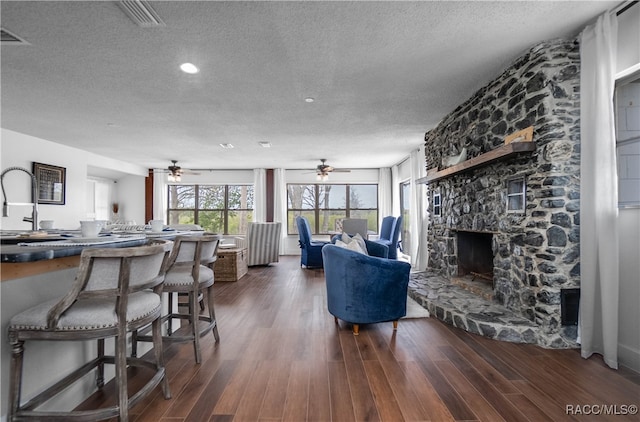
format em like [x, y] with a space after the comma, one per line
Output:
[116, 290]
[190, 273]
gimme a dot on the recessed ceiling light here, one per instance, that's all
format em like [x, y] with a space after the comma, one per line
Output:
[189, 68]
[265, 144]
[226, 146]
[309, 100]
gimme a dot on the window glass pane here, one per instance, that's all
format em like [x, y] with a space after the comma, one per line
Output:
[182, 196]
[370, 215]
[238, 221]
[310, 215]
[332, 196]
[515, 186]
[211, 221]
[363, 196]
[211, 197]
[301, 196]
[181, 217]
[516, 203]
[328, 220]
[241, 197]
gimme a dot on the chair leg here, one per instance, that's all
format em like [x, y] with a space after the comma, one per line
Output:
[201, 300]
[15, 377]
[193, 303]
[335, 319]
[121, 375]
[134, 343]
[156, 333]
[170, 309]
[395, 325]
[356, 329]
[212, 313]
[100, 376]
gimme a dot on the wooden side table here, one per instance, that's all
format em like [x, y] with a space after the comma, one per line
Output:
[231, 264]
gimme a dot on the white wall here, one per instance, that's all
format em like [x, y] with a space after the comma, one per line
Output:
[22, 150]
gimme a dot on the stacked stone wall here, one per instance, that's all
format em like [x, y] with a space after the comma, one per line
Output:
[536, 252]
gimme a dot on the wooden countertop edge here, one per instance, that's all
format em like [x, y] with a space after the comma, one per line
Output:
[15, 270]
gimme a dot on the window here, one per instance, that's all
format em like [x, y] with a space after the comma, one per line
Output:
[516, 195]
[99, 198]
[627, 109]
[323, 205]
[225, 209]
[405, 212]
[437, 205]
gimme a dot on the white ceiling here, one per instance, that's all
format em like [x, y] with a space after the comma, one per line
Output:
[381, 74]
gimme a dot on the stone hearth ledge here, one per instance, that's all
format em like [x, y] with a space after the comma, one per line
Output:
[463, 309]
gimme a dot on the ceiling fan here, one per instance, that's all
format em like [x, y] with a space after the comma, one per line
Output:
[323, 170]
[176, 172]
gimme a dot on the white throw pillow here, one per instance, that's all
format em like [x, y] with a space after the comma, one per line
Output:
[353, 244]
[360, 240]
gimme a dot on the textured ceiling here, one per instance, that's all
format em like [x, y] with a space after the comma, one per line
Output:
[381, 74]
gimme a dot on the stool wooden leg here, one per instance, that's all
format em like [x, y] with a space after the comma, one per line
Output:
[395, 325]
[100, 376]
[193, 303]
[356, 329]
[212, 313]
[121, 374]
[170, 305]
[15, 377]
[159, 355]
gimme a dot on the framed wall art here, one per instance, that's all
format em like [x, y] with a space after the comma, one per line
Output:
[50, 183]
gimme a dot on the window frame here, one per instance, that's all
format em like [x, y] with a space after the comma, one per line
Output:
[317, 210]
[521, 193]
[197, 209]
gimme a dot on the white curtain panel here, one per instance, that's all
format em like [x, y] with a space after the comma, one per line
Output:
[260, 195]
[417, 224]
[280, 204]
[384, 193]
[159, 195]
[598, 193]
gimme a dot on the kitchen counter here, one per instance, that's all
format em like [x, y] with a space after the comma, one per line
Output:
[16, 253]
[22, 257]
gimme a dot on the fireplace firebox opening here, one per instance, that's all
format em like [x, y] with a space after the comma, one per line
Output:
[475, 255]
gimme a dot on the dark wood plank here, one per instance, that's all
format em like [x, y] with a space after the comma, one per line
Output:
[489, 392]
[341, 401]
[297, 393]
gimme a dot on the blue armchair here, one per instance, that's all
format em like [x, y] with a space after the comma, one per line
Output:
[365, 289]
[311, 256]
[390, 234]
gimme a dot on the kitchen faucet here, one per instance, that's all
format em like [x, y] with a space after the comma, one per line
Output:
[34, 195]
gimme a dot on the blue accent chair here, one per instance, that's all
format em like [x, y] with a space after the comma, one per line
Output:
[365, 289]
[311, 256]
[395, 238]
[390, 234]
[386, 229]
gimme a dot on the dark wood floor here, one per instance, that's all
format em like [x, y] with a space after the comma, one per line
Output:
[281, 357]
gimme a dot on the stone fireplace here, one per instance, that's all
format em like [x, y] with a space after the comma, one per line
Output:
[513, 220]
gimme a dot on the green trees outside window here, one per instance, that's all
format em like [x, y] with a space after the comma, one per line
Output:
[224, 209]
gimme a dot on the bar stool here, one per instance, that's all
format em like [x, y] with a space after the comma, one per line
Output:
[190, 272]
[116, 291]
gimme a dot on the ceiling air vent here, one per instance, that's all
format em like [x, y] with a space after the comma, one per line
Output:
[141, 13]
[7, 38]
